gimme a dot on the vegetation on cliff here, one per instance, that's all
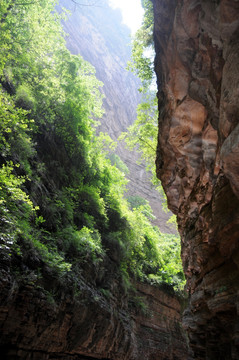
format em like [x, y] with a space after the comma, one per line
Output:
[61, 189]
[143, 134]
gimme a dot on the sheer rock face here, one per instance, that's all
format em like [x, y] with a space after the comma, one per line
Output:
[197, 65]
[99, 36]
[41, 325]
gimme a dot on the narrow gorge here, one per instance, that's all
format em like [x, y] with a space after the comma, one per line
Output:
[83, 273]
[98, 34]
[74, 259]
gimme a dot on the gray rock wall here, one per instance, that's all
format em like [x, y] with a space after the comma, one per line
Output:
[97, 33]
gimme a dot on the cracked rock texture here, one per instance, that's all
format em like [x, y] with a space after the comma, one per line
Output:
[197, 66]
[41, 324]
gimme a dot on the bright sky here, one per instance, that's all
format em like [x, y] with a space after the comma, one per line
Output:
[132, 12]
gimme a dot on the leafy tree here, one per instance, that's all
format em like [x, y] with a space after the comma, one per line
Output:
[142, 49]
[142, 135]
[115, 160]
[136, 201]
[61, 186]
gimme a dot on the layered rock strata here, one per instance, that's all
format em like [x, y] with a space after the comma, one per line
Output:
[197, 66]
[41, 324]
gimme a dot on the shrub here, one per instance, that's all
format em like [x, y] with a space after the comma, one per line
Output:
[24, 98]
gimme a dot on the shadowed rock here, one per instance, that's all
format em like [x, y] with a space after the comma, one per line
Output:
[198, 75]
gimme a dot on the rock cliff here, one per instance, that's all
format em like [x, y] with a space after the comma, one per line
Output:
[59, 322]
[67, 290]
[97, 33]
[197, 66]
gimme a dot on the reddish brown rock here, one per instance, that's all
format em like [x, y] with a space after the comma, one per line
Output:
[40, 325]
[197, 65]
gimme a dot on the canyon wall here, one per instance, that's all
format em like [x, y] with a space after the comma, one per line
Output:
[96, 310]
[58, 321]
[97, 33]
[197, 66]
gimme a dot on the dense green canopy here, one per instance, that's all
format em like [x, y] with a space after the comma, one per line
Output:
[61, 187]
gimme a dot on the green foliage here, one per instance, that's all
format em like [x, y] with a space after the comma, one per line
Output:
[10, 185]
[82, 243]
[15, 129]
[142, 136]
[116, 161]
[106, 293]
[136, 201]
[163, 250]
[142, 48]
[138, 303]
[171, 272]
[61, 186]
[24, 98]
[51, 257]
[5, 44]
[173, 221]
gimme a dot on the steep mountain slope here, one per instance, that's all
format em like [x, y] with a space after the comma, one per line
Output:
[81, 274]
[198, 75]
[97, 33]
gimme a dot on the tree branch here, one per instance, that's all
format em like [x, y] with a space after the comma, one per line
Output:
[146, 142]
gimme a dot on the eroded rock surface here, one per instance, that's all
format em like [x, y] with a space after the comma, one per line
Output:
[41, 324]
[197, 65]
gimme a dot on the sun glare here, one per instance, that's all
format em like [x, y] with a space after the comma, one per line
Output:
[132, 12]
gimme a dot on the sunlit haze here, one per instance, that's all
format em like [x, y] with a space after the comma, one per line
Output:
[132, 12]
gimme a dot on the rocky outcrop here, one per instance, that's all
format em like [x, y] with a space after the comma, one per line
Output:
[96, 32]
[59, 322]
[197, 65]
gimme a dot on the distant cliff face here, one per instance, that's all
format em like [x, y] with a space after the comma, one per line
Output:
[197, 65]
[97, 34]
